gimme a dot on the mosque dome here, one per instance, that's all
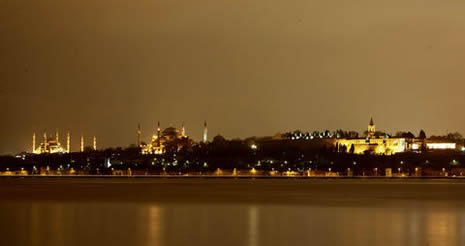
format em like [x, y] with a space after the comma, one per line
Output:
[171, 133]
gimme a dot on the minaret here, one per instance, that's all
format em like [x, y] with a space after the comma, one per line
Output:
[68, 141]
[205, 132]
[82, 142]
[371, 129]
[158, 133]
[95, 143]
[57, 136]
[183, 131]
[33, 142]
[139, 136]
[44, 150]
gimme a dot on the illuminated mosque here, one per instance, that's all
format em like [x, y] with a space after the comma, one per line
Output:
[385, 145]
[170, 137]
[52, 145]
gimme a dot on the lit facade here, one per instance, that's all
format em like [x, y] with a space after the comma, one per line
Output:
[372, 144]
[441, 145]
[170, 137]
[50, 145]
[388, 145]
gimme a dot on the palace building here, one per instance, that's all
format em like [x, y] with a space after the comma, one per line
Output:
[385, 145]
[373, 144]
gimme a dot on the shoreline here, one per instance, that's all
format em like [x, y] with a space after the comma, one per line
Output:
[227, 177]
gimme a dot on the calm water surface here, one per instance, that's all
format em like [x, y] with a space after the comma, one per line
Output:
[166, 223]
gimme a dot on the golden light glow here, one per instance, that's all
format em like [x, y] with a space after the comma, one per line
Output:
[441, 145]
[387, 146]
[68, 142]
[49, 145]
[33, 142]
[253, 171]
[388, 172]
[82, 143]
[373, 144]
[161, 139]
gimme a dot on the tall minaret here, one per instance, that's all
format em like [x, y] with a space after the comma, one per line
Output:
[68, 141]
[205, 132]
[33, 142]
[371, 129]
[95, 143]
[139, 136]
[44, 150]
[57, 136]
[82, 142]
[183, 131]
[158, 133]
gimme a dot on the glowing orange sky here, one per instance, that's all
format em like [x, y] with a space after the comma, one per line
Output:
[247, 67]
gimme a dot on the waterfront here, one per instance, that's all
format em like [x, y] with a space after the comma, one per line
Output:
[92, 211]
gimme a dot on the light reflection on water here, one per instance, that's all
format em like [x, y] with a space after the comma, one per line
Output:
[213, 224]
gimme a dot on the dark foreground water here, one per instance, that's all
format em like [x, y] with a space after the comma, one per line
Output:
[231, 212]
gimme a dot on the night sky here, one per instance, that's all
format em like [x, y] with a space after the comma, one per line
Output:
[247, 67]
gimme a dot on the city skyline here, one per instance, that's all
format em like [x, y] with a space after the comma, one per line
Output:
[143, 136]
[235, 122]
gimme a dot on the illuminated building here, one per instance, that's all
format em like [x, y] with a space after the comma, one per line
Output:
[388, 145]
[373, 144]
[435, 145]
[50, 145]
[170, 138]
[441, 145]
[95, 143]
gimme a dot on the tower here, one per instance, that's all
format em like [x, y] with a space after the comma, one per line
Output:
[44, 149]
[183, 131]
[158, 133]
[95, 143]
[139, 136]
[57, 136]
[371, 129]
[82, 142]
[205, 132]
[68, 140]
[33, 142]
